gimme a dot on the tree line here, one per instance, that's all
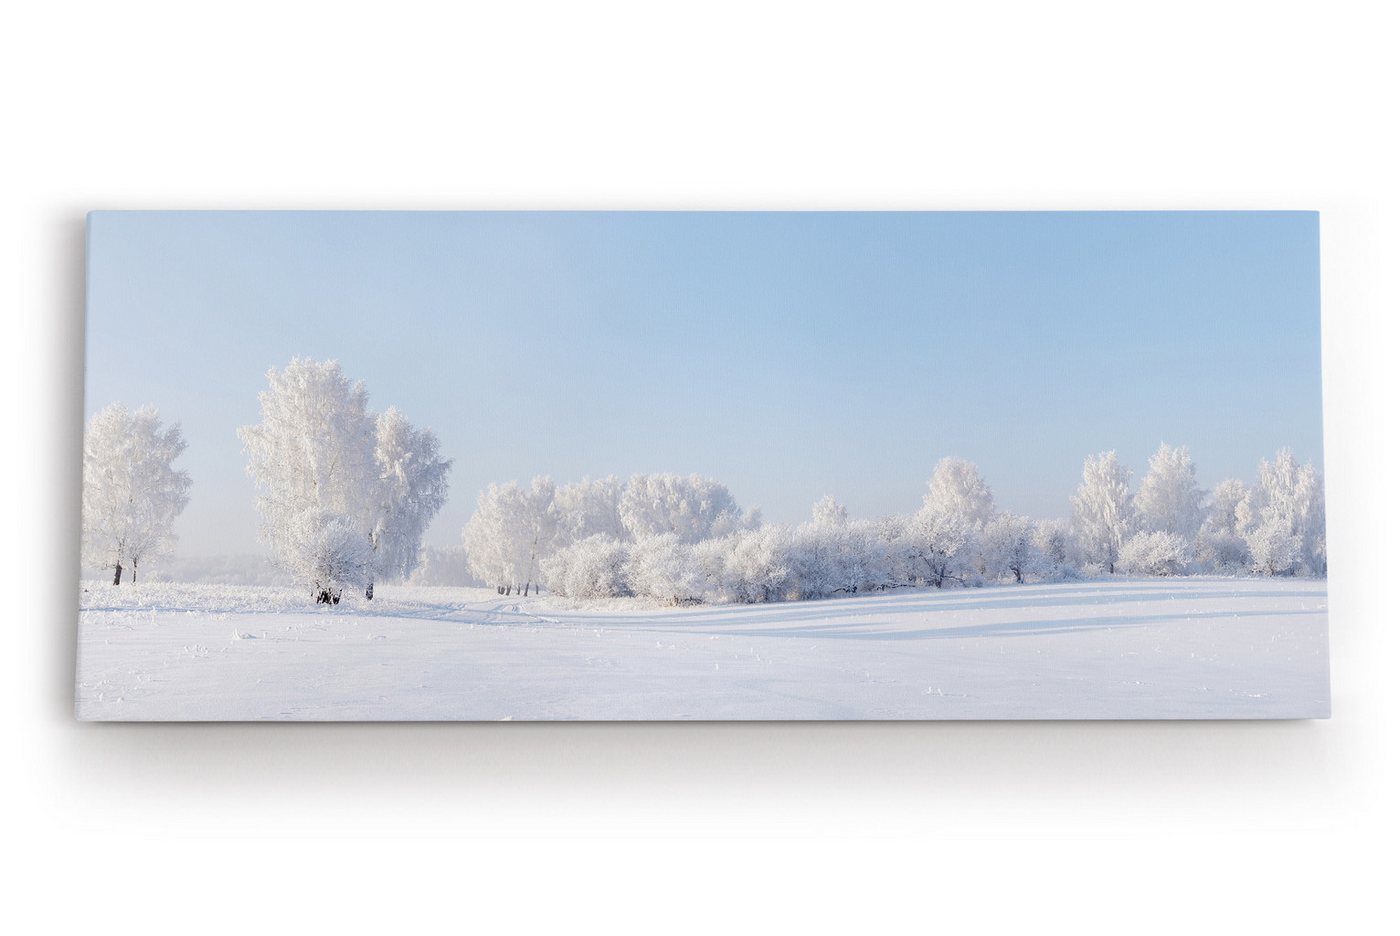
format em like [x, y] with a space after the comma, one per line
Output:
[682, 540]
[345, 496]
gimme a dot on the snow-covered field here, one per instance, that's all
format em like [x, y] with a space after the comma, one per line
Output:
[1162, 648]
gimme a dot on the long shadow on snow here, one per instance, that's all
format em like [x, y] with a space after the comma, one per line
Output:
[425, 612]
[998, 598]
[929, 602]
[993, 629]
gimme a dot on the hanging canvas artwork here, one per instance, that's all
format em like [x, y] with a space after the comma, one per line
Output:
[702, 465]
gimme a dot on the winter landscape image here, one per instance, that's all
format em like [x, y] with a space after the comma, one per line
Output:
[492, 466]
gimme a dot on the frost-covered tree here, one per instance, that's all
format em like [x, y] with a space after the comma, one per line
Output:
[663, 568]
[708, 559]
[1103, 509]
[1169, 499]
[1054, 539]
[412, 487]
[901, 551]
[132, 491]
[588, 507]
[1008, 545]
[956, 487]
[946, 529]
[312, 456]
[828, 513]
[1273, 546]
[319, 455]
[861, 558]
[814, 550]
[513, 529]
[946, 544]
[593, 567]
[756, 566]
[1220, 544]
[1156, 552]
[693, 508]
[315, 445]
[1283, 519]
[813, 560]
[833, 555]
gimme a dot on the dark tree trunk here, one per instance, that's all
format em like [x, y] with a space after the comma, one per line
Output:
[117, 579]
[133, 571]
[369, 592]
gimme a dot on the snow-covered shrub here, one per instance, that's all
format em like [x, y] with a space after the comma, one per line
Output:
[1274, 548]
[594, 567]
[708, 559]
[812, 559]
[748, 566]
[1220, 545]
[1221, 552]
[327, 551]
[757, 568]
[1155, 553]
[898, 550]
[1059, 559]
[664, 569]
[837, 558]
[862, 559]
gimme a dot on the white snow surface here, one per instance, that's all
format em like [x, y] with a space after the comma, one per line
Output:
[1115, 648]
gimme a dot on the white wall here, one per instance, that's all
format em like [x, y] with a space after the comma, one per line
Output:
[1125, 827]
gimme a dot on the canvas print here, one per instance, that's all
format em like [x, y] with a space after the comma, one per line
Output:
[498, 466]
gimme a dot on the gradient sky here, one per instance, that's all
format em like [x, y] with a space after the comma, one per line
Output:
[789, 355]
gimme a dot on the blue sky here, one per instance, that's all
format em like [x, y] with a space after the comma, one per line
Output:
[789, 355]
